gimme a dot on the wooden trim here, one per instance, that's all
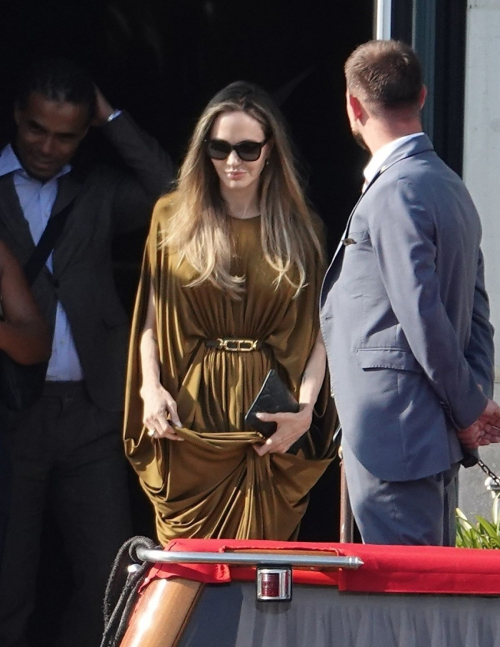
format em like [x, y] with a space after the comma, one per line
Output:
[162, 613]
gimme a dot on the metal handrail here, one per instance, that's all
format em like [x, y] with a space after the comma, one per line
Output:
[248, 559]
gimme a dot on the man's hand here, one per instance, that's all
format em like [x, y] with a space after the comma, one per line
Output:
[470, 438]
[485, 430]
[103, 109]
[291, 426]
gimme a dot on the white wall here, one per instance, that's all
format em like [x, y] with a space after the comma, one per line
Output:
[482, 177]
[482, 138]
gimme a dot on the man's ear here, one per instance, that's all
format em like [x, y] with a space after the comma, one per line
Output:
[355, 105]
[422, 97]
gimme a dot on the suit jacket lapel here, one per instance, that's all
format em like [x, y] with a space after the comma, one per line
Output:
[409, 149]
[412, 147]
[341, 244]
[70, 186]
[339, 253]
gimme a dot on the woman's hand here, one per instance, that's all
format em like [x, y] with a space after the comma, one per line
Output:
[159, 409]
[159, 405]
[291, 426]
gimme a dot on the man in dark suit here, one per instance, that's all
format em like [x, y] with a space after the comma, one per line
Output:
[66, 449]
[405, 314]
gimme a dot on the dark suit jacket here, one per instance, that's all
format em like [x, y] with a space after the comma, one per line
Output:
[108, 201]
[405, 318]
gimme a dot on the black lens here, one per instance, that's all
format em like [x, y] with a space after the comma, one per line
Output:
[248, 151]
[218, 149]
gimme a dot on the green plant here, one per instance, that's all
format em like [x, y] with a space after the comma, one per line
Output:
[484, 534]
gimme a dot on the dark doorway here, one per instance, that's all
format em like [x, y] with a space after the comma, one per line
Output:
[162, 60]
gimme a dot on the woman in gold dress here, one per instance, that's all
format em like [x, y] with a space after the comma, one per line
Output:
[229, 289]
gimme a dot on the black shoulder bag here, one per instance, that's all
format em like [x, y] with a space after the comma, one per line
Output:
[21, 386]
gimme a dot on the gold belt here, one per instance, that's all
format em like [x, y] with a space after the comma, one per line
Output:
[234, 345]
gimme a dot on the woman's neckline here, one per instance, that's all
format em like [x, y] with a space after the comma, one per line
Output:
[244, 217]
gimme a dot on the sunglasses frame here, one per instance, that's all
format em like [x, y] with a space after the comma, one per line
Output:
[234, 147]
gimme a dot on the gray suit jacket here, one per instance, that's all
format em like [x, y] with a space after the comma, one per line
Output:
[405, 318]
[108, 202]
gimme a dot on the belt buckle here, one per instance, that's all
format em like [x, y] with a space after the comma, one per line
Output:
[238, 345]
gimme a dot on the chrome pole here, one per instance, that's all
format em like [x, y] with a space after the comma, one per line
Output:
[249, 559]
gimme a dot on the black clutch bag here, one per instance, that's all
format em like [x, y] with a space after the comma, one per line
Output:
[273, 397]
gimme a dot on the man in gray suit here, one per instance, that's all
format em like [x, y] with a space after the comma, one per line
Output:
[66, 449]
[405, 315]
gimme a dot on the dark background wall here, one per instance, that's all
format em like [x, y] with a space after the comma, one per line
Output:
[162, 60]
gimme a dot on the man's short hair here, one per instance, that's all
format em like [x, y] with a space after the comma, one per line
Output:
[58, 79]
[386, 74]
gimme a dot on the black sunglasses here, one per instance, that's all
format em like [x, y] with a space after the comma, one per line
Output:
[248, 151]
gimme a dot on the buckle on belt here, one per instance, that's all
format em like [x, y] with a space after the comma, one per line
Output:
[238, 345]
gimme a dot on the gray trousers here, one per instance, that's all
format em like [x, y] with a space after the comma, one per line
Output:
[420, 512]
[66, 453]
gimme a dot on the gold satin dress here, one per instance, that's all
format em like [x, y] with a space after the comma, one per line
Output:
[214, 484]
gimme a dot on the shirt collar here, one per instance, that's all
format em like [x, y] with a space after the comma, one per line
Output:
[9, 163]
[380, 156]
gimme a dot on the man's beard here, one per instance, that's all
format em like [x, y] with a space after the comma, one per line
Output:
[358, 138]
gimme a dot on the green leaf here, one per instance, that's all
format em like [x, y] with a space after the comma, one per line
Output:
[483, 535]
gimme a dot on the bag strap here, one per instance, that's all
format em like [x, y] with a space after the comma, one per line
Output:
[46, 244]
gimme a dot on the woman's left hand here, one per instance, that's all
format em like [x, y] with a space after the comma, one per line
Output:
[291, 426]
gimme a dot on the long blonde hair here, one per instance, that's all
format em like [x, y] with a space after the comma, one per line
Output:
[198, 229]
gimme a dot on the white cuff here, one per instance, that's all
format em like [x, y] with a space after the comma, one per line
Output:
[113, 115]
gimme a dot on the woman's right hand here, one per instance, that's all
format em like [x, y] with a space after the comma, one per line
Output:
[159, 410]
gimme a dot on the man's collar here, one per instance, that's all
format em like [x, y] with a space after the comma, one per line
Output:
[9, 163]
[380, 156]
